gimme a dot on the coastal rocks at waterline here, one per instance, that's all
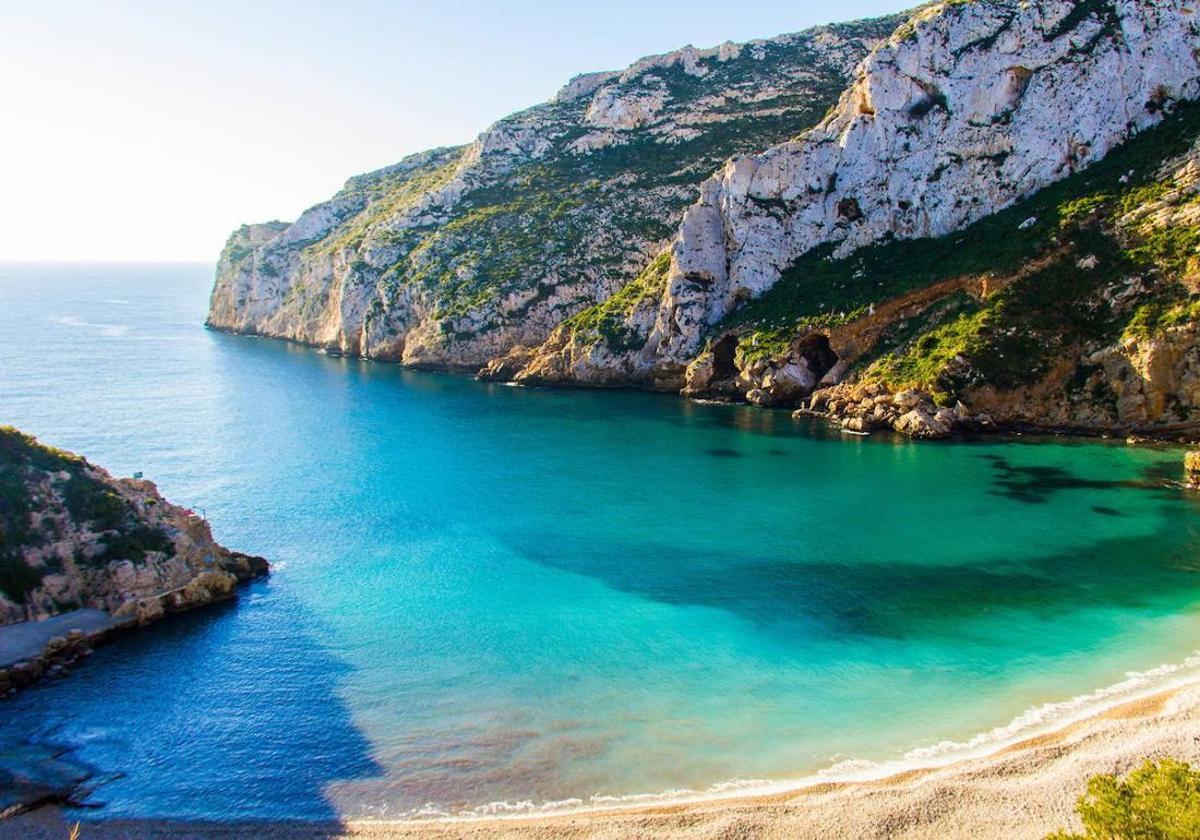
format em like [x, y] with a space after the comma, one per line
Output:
[33, 650]
[84, 554]
[867, 407]
[1191, 469]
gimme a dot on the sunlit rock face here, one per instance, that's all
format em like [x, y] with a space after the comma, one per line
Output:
[78, 537]
[966, 109]
[452, 257]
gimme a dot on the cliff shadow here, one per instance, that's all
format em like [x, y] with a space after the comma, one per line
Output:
[231, 712]
[903, 597]
[1033, 484]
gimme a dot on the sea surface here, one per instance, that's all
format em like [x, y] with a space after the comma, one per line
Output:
[490, 598]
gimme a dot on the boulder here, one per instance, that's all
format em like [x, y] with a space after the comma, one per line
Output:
[1191, 469]
[859, 424]
[919, 423]
[908, 399]
[789, 383]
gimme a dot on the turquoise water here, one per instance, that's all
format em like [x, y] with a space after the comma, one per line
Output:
[486, 594]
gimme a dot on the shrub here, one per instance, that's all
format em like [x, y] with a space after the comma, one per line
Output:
[17, 578]
[1156, 802]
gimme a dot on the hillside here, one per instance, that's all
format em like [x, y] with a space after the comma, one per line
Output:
[453, 256]
[997, 212]
[72, 536]
[994, 215]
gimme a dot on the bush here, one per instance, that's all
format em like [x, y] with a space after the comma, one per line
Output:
[1157, 802]
[132, 543]
[17, 578]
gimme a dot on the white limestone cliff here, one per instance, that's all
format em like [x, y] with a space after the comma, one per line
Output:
[967, 109]
[453, 256]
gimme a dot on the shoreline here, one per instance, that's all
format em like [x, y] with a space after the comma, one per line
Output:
[1024, 785]
[1176, 434]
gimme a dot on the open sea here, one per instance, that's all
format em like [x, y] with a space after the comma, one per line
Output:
[489, 599]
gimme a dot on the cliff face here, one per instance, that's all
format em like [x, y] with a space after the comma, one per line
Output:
[454, 256]
[994, 226]
[1078, 309]
[73, 536]
[966, 109]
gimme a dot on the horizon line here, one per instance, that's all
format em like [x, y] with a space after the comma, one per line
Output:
[100, 260]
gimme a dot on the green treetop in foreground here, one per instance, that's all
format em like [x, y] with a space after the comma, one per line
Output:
[1156, 802]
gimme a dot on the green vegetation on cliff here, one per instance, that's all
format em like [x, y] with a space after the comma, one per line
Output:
[1058, 259]
[40, 487]
[607, 321]
[387, 194]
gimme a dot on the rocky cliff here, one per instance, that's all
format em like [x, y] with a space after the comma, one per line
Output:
[72, 536]
[941, 207]
[454, 256]
[966, 109]
[992, 227]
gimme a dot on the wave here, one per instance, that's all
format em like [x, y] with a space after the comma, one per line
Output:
[109, 330]
[1037, 720]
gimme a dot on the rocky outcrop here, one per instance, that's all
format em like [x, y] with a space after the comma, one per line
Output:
[999, 213]
[1191, 470]
[49, 649]
[455, 256]
[868, 407]
[965, 110]
[72, 536]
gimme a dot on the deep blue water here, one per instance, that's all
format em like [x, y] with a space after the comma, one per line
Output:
[490, 594]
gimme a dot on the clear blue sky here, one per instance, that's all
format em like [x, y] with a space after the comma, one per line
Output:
[148, 130]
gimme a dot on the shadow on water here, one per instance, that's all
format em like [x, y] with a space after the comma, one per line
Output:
[219, 730]
[1036, 484]
[900, 598]
[906, 595]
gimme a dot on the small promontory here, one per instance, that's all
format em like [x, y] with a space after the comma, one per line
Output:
[90, 552]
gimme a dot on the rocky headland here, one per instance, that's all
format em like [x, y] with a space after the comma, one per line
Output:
[452, 257]
[982, 212]
[84, 555]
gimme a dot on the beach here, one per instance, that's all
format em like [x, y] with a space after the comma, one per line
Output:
[495, 629]
[1023, 790]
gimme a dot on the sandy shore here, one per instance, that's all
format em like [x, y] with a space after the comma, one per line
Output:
[1022, 791]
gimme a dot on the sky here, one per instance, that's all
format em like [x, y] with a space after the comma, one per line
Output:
[150, 130]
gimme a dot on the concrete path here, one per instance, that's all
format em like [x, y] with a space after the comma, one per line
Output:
[27, 639]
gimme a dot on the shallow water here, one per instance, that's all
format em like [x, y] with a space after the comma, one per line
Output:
[487, 594]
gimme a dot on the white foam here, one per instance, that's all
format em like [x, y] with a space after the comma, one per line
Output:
[109, 330]
[1034, 721]
[1057, 715]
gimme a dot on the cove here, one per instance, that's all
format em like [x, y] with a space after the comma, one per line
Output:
[487, 594]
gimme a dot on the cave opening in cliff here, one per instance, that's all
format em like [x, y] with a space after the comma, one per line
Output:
[817, 354]
[724, 366]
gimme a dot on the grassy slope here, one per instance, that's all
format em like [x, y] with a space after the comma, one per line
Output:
[28, 521]
[1011, 337]
[607, 321]
[506, 234]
